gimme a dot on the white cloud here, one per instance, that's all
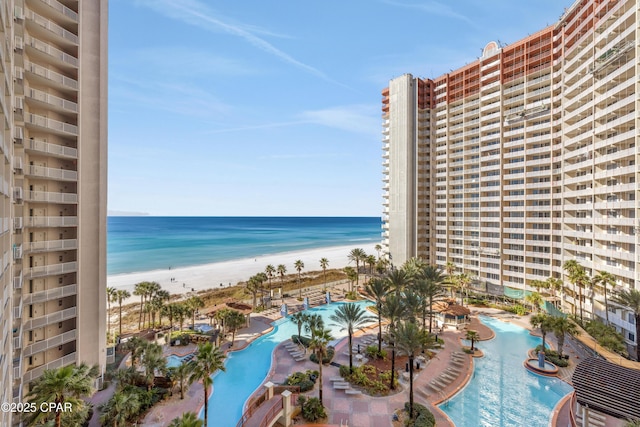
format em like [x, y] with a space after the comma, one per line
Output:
[363, 119]
[198, 14]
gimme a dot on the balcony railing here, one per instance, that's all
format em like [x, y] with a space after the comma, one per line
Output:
[51, 294]
[51, 245]
[60, 174]
[49, 270]
[48, 319]
[50, 342]
[51, 75]
[54, 149]
[52, 26]
[52, 100]
[50, 197]
[51, 124]
[62, 9]
[58, 363]
[52, 51]
[51, 221]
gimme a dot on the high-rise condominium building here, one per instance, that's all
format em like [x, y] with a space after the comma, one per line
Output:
[524, 159]
[53, 167]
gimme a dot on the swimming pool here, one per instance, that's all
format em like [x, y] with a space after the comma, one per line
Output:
[247, 369]
[502, 393]
[173, 361]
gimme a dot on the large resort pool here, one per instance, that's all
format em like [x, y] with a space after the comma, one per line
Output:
[247, 368]
[501, 393]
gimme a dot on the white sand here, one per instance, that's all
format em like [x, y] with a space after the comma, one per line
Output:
[210, 276]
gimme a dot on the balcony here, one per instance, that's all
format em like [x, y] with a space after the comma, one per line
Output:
[58, 363]
[51, 101]
[52, 52]
[50, 270]
[52, 76]
[52, 173]
[17, 282]
[51, 221]
[51, 125]
[50, 343]
[48, 319]
[51, 197]
[52, 26]
[51, 294]
[51, 245]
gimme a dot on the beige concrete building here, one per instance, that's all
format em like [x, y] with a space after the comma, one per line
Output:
[53, 179]
[524, 159]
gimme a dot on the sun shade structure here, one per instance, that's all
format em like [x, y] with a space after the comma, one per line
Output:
[608, 388]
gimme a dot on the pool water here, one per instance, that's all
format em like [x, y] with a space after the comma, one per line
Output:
[502, 393]
[246, 369]
[173, 361]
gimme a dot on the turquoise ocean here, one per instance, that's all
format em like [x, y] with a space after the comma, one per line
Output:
[145, 243]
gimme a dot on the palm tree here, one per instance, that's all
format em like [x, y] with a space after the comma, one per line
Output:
[299, 318]
[69, 384]
[464, 280]
[121, 295]
[378, 289]
[535, 299]
[140, 289]
[393, 310]
[561, 327]
[234, 320]
[152, 290]
[605, 279]
[352, 275]
[350, 316]
[253, 287]
[413, 266]
[357, 255]
[324, 263]
[397, 280]
[180, 312]
[429, 284]
[554, 284]
[270, 271]
[120, 408]
[413, 305]
[193, 304]
[319, 342]
[261, 278]
[181, 374]
[371, 260]
[314, 322]
[111, 297]
[410, 341]
[545, 323]
[281, 270]
[299, 265]
[137, 347]
[578, 277]
[473, 337]
[153, 361]
[450, 268]
[188, 419]
[631, 299]
[208, 360]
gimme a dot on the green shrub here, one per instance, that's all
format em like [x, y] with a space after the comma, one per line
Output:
[553, 357]
[344, 371]
[301, 340]
[372, 352]
[353, 295]
[607, 337]
[328, 357]
[312, 409]
[422, 416]
[304, 380]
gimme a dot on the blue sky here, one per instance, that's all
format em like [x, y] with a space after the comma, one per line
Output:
[267, 108]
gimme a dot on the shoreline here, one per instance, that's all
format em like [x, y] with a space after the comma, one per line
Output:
[229, 273]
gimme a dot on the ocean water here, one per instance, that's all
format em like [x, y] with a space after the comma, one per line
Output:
[146, 243]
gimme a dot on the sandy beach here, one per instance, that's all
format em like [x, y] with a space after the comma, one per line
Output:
[216, 275]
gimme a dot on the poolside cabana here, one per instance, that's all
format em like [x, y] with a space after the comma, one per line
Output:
[243, 308]
[451, 314]
[607, 388]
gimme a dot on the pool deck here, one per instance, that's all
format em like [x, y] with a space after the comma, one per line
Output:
[357, 409]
